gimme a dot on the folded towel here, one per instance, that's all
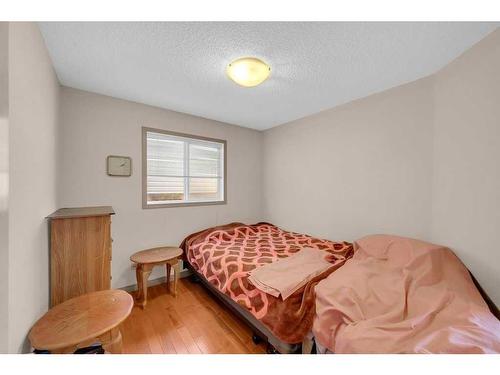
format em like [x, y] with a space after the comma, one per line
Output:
[287, 275]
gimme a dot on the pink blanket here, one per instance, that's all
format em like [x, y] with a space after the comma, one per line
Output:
[287, 275]
[399, 295]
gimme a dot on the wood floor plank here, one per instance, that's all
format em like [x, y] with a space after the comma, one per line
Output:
[188, 340]
[160, 326]
[156, 333]
[193, 322]
[129, 342]
[137, 333]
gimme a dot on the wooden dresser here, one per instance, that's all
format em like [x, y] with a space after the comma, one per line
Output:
[80, 251]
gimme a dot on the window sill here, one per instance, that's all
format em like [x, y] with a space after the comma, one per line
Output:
[146, 206]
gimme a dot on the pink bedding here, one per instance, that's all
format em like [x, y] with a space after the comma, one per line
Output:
[399, 295]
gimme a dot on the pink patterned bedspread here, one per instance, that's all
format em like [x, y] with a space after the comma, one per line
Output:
[225, 254]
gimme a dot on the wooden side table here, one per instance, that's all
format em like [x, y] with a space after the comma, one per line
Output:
[80, 321]
[147, 259]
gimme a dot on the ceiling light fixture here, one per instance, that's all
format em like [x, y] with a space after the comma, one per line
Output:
[248, 71]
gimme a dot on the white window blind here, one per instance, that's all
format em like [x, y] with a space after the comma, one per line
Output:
[183, 169]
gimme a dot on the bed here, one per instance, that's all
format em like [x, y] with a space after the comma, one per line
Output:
[400, 295]
[221, 257]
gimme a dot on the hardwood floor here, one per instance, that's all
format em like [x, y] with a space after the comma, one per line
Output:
[193, 322]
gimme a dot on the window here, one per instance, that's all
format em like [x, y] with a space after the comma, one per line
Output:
[181, 169]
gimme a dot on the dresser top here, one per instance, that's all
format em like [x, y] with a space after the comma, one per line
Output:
[66, 213]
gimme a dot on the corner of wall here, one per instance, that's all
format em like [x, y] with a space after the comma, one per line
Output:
[466, 177]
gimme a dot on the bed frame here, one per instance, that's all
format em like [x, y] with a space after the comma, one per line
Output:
[260, 331]
[491, 305]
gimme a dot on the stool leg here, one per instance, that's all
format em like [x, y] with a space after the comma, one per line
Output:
[112, 341]
[168, 266]
[144, 273]
[138, 276]
[177, 271]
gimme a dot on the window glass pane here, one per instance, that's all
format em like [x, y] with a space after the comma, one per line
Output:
[165, 156]
[204, 189]
[181, 169]
[161, 189]
[204, 160]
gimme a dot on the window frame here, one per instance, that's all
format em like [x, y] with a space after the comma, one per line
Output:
[145, 204]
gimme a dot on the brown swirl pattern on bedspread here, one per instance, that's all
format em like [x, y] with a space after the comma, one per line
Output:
[225, 254]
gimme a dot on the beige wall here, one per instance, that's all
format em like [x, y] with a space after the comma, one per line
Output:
[420, 160]
[4, 185]
[95, 126]
[33, 111]
[466, 188]
[360, 168]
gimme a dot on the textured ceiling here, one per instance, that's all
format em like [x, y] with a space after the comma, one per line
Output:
[315, 66]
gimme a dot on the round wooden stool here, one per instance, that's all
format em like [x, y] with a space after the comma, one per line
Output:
[80, 321]
[147, 259]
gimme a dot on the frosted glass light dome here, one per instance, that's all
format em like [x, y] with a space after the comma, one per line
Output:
[248, 71]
